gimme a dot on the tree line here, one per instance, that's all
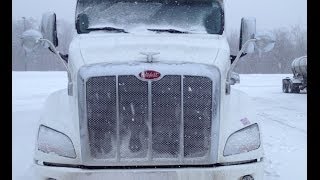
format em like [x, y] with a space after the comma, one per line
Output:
[290, 43]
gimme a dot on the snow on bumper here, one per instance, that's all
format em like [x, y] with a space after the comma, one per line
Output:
[232, 172]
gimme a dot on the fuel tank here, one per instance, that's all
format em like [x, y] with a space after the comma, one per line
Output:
[299, 66]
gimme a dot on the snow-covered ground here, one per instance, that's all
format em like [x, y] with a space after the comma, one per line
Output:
[284, 125]
[283, 117]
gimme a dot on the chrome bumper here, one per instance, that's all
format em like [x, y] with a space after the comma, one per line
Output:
[232, 172]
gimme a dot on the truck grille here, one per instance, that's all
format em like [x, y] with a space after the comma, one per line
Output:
[127, 118]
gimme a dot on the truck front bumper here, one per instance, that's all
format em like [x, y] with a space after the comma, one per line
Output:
[232, 172]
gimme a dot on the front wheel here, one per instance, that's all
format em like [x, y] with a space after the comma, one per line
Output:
[295, 88]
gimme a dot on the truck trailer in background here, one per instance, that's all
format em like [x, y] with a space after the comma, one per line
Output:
[299, 80]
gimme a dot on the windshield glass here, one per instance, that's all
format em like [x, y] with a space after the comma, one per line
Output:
[192, 16]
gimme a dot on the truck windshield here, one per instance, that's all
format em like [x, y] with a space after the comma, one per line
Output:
[160, 16]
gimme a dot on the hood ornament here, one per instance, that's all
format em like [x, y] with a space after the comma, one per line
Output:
[149, 55]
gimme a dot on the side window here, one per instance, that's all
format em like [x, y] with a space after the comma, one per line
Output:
[214, 21]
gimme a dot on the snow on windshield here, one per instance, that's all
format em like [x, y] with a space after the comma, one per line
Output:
[157, 14]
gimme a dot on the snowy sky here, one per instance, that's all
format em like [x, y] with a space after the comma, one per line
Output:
[269, 13]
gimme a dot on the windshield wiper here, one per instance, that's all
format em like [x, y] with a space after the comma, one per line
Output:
[169, 31]
[108, 29]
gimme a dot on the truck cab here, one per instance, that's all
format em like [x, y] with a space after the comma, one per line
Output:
[149, 95]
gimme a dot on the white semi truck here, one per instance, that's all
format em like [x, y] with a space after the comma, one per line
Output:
[149, 95]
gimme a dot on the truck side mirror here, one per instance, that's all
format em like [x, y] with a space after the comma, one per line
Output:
[31, 39]
[214, 21]
[48, 27]
[265, 41]
[247, 32]
[249, 42]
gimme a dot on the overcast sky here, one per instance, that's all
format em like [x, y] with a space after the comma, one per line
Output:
[269, 13]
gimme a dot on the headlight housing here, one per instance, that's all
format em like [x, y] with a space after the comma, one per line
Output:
[243, 140]
[52, 141]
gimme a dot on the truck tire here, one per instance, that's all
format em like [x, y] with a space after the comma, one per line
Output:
[285, 84]
[295, 88]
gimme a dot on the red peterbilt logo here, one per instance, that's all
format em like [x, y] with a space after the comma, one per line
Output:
[149, 74]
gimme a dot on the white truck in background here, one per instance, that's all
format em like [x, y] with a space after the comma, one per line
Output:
[149, 95]
[299, 80]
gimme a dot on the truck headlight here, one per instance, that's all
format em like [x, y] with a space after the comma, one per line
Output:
[52, 141]
[243, 140]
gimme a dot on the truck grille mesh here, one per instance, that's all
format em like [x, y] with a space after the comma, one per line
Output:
[128, 118]
[166, 117]
[133, 116]
[197, 115]
[101, 114]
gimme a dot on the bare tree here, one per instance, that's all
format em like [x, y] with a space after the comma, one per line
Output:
[299, 36]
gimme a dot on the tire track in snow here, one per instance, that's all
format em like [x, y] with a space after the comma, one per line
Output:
[281, 121]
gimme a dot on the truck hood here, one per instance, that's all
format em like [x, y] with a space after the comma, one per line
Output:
[119, 48]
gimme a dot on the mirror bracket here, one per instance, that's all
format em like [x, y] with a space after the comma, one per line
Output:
[233, 65]
[65, 57]
[263, 43]
[54, 50]
[233, 57]
[235, 78]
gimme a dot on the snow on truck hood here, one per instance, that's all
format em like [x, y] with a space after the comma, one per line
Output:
[115, 48]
